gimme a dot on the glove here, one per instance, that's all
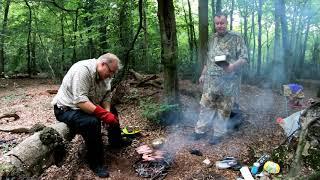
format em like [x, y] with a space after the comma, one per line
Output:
[105, 116]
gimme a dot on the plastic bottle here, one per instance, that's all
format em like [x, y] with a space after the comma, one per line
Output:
[260, 161]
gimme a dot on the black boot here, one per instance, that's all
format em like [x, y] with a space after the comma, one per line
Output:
[115, 138]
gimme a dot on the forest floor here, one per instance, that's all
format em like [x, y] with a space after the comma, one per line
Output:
[258, 134]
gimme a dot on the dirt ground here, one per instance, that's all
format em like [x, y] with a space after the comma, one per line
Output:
[258, 134]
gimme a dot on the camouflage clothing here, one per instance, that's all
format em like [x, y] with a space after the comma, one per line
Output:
[220, 88]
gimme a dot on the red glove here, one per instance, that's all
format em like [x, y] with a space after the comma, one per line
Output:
[105, 116]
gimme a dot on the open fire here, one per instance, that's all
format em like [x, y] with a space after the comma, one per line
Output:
[153, 163]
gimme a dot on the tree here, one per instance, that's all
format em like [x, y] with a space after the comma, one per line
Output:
[203, 32]
[169, 50]
[3, 35]
[218, 6]
[259, 37]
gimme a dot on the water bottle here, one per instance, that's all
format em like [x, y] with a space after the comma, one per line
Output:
[260, 161]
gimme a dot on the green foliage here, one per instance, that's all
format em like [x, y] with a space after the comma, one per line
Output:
[153, 111]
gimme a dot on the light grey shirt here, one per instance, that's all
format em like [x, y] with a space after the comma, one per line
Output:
[81, 84]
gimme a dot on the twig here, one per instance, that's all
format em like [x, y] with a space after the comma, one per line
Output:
[8, 115]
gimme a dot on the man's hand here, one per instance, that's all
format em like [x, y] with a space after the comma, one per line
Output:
[105, 116]
[229, 68]
[201, 79]
[233, 66]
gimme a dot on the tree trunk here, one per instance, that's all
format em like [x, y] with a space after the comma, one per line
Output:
[74, 41]
[268, 46]
[190, 43]
[103, 44]
[259, 37]
[231, 14]
[124, 28]
[285, 42]
[33, 54]
[304, 47]
[203, 33]
[35, 153]
[145, 36]
[193, 35]
[89, 8]
[62, 37]
[213, 10]
[253, 39]
[169, 50]
[219, 6]
[29, 39]
[277, 64]
[3, 35]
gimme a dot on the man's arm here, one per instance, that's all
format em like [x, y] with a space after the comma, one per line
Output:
[202, 76]
[242, 57]
[87, 107]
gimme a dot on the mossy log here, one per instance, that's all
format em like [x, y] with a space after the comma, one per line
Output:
[35, 153]
[309, 121]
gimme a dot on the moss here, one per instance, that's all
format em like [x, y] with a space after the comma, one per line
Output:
[282, 155]
[8, 171]
[313, 159]
[37, 127]
[51, 137]
[314, 176]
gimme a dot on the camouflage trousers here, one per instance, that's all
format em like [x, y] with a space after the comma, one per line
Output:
[214, 114]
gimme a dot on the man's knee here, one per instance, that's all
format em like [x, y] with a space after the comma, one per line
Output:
[91, 122]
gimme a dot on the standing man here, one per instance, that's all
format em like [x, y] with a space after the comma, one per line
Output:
[83, 101]
[221, 76]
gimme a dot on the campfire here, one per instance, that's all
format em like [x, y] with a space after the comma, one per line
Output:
[153, 163]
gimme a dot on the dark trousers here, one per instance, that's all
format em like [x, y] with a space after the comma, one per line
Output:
[89, 127]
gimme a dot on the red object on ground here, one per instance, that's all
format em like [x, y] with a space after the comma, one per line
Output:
[279, 120]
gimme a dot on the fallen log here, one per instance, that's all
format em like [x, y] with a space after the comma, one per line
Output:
[146, 80]
[309, 120]
[35, 153]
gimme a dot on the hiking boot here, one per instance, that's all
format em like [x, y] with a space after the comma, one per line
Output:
[100, 171]
[215, 140]
[197, 136]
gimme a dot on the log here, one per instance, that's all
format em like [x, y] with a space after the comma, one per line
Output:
[136, 75]
[35, 153]
[309, 116]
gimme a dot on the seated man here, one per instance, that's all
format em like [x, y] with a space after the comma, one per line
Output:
[82, 103]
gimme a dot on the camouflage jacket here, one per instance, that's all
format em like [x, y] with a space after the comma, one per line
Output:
[217, 80]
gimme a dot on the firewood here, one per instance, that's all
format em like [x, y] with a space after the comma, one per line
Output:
[137, 75]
